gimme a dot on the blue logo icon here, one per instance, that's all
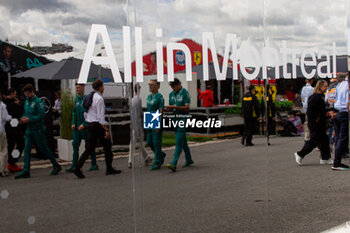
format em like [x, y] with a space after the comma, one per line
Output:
[180, 58]
[151, 120]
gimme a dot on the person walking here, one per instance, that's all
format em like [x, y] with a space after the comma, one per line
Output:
[179, 103]
[155, 102]
[79, 128]
[306, 92]
[271, 111]
[97, 129]
[34, 116]
[250, 111]
[330, 100]
[4, 117]
[317, 121]
[136, 115]
[15, 135]
[341, 123]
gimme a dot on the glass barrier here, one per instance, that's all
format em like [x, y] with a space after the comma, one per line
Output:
[222, 116]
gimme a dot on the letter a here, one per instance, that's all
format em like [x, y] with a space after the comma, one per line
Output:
[89, 56]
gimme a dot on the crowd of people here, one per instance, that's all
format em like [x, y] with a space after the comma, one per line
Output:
[326, 122]
[88, 124]
[326, 108]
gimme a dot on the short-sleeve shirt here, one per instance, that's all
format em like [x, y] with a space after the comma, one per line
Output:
[155, 102]
[181, 98]
[135, 111]
[341, 96]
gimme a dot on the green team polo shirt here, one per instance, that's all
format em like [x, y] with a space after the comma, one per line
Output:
[181, 98]
[155, 102]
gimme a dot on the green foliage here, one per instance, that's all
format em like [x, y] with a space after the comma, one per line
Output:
[284, 106]
[67, 107]
[235, 110]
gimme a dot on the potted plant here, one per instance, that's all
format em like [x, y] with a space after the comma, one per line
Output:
[64, 143]
[232, 116]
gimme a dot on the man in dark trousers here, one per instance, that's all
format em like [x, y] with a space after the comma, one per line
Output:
[341, 122]
[79, 128]
[33, 117]
[15, 135]
[97, 128]
[271, 111]
[250, 111]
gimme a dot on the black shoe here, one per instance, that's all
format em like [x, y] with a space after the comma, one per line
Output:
[346, 156]
[78, 173]
[340, 167]
[242, 141]
[22, 174]
[55, 170]
[249, 144]
[112, 171]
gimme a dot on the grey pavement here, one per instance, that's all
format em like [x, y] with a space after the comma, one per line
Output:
[231, 188]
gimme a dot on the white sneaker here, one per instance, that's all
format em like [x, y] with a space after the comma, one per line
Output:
[328, 161]
[298, 159]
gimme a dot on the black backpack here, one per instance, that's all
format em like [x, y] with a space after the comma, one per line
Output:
[88, 101]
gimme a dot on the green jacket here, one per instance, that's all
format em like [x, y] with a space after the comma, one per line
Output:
[34, 109]
[78, 112]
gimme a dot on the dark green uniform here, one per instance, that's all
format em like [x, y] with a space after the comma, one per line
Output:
[77, 120]
[34, 109]
[154, 138]
[181, 98]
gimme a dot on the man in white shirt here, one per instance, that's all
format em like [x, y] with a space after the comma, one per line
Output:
[341, 122]
[4, 117]
[306, 92]
[97, 128]
[136, 128]
[58, 105]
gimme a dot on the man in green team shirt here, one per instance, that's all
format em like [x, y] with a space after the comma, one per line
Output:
[34, 116]
[155, 102]
[179, 104]
[79, 128]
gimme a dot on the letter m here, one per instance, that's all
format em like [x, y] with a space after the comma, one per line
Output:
[231, 41]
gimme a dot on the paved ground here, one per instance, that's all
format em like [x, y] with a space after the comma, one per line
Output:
[231, 189]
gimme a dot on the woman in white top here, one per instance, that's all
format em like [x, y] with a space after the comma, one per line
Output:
[4, 117]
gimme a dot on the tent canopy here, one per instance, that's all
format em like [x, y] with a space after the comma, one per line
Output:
[65, 69]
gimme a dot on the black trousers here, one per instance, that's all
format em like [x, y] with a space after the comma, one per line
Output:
[318, 138]
[15, 137]
[249, 125]
[271, 126]
[341, 127]
[96, 132]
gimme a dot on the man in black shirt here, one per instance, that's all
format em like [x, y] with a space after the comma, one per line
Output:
[250, 111]
[15, 135]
